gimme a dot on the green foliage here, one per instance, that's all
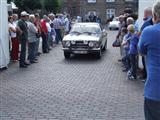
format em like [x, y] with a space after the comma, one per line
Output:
[49, 5]
[53, 5]
[8, 1]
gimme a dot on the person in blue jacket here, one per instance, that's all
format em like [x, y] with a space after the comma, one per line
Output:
[147, 22]
[149, 46]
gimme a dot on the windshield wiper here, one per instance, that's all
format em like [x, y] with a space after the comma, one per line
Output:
[76, 32]
[87, 32]
[91, 32]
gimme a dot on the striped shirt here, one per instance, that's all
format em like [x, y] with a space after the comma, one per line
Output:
[57, 23]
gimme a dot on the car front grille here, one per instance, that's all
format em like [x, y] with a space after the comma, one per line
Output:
[79, 44]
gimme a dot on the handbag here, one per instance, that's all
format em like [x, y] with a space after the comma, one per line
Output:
[116, 43]
[38, 35]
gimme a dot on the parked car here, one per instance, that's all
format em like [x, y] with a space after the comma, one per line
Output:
[114, 24]
[85, 38]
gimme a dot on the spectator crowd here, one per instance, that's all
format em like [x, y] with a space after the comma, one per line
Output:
[27, 29]
[25, 34]
[145, 42]
[128, 37]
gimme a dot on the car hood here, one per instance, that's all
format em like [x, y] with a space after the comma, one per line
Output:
[93, 37]
[114, 23]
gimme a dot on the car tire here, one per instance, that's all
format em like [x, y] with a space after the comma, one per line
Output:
[67, 55]
[110, 29]
[99, 54]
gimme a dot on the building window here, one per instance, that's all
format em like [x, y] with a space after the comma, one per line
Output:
[110, 13]
[110, 0]
[91, 1]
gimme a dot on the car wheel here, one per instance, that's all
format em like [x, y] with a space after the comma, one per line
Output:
[110, 28]
[99, 54]
[67, 55]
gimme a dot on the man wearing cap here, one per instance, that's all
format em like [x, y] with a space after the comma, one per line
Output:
[23, 37]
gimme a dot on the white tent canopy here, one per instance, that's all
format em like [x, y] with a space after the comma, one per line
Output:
[14, 6]
[4, 40]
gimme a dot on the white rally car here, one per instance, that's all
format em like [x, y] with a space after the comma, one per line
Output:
[85, 38]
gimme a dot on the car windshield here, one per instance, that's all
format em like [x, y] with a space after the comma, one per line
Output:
[86, 29]
[115, 20]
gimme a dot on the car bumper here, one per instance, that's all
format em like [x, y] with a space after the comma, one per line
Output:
[81, 51]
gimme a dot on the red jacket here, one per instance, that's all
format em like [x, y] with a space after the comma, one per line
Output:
[44, 27]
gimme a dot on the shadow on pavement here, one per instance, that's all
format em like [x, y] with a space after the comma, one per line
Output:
[86, 59]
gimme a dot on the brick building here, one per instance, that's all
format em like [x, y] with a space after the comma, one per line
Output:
[103, 8]
[72, 7]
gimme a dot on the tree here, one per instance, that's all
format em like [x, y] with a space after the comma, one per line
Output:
[49, 5]
[53, 5]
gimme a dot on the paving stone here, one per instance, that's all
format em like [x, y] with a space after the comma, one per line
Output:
[81, 88]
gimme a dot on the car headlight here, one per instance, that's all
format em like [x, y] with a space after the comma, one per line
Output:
[93, 44]
[73, 42]
[66, 43]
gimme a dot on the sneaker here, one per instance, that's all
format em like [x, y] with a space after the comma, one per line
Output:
[39, 53]
[26, 63]
[131, 78]
[34, 61]
[119, 60]
[129, 73]
[23, 66]
[50, 48]
[14, 61]
[143, 81]
[124, 70]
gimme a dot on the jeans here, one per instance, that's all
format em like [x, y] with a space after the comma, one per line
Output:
[126, 61]
[144, 67]
[50, 40]
[31, 51]
[133, 62]
[37, 46]
[151, 109]
[23, 51]
[58, 35]
[45, 47]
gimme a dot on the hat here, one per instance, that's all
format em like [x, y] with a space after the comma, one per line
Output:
[24, 13]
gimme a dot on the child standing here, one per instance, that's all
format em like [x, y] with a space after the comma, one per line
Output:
[133, 52]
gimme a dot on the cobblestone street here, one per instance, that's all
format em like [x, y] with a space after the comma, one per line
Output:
[80, 88]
